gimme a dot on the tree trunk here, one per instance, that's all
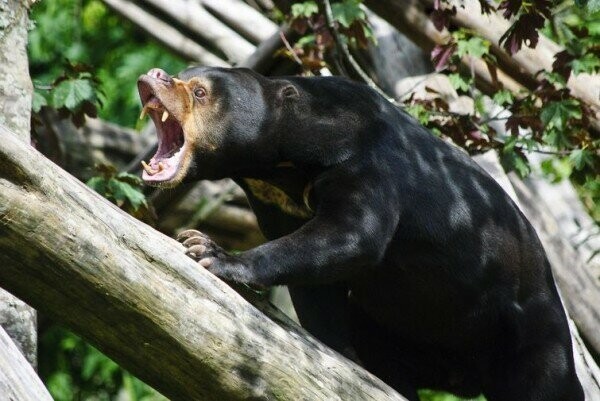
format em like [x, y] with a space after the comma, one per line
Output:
[133, 293]
[18, 319]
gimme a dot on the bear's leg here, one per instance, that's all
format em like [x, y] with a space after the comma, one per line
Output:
[323, 312]
[541, 372]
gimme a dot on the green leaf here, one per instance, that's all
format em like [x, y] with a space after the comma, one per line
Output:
[98, 184]
[131, 179]
[593, 6]
[347, 11]
[306, 40]
[61, 386]
[38, 101]
[122, 191]
[589, 63]
[503, 97]
[305, 9]
[557, 169]
[419, 112]
[459, 82]
[474, 46]
[72, 93]
[580, 158]
[557, 114]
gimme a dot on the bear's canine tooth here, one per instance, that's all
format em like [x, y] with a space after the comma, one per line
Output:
[149, 169]
[165, 116]
[143, 113]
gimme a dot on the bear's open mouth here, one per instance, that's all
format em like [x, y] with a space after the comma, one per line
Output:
[165, 163]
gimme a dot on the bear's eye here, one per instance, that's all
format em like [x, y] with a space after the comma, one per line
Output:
[199, 93]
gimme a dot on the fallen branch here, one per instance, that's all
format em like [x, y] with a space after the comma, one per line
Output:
[245, 20]
[194, 17]
[18, 380]
[408, 17]
[133, 293]
[527, 62]
[164, 33]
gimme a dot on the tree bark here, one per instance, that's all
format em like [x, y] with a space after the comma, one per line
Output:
[242, 18]
[194, 17]
[514, 71]
[165, 34]
[18, 380]
[133, 293]
[527, 62]
[408, 17]
[16, 90]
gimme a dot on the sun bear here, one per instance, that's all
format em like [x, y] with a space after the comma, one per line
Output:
[397, 248]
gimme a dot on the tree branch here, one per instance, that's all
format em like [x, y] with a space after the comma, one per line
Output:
[408, 17]
[18, 380]
[133, 293]
[164, 33]
[194, 17]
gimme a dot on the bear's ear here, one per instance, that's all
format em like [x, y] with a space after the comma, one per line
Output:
[286, 92]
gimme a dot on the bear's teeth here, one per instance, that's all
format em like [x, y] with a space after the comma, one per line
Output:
[165, 116]
[149, 169]
[143, 113]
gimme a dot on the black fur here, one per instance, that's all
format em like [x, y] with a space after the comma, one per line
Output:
[415, 261]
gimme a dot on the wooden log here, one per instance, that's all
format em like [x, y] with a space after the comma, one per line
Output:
[133, 293]
[408, 17]
[193, 16]
[18, 380]
[243, 18]
[16, 91]
[164, 33]
[527, 62]
[576, 225]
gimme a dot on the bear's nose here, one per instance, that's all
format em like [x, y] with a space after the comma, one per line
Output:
[160, 74]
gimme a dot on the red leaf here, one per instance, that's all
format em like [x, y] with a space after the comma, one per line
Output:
[523, 30]
[440, 55]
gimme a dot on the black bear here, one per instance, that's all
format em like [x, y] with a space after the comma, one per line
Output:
[396, 247]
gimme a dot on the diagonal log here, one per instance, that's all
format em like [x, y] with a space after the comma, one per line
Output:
[164, 33]
[409, 17]
[18, 380]
[527, 62]
[132, 292]
[242, 18]
[194, 17]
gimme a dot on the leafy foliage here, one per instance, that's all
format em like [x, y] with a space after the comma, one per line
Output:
[428, 395]
[122, 189]
[87, 33]
[73, 94]
[74, 370]
[308, 19]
